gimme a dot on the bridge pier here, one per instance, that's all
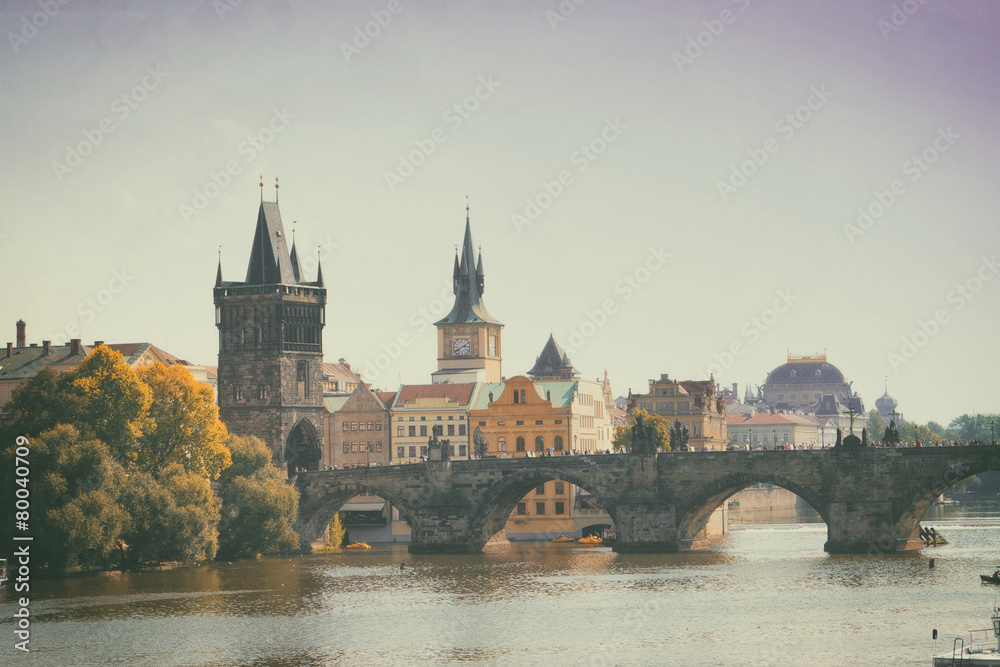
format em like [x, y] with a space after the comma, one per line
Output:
[866, 527]
[645, 529]
[440, 531]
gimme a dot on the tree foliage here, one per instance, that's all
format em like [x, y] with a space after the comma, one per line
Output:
[977, 427]
[643, 433]
[182, 424]
[876, 423]
[337, 532]
[258, 507]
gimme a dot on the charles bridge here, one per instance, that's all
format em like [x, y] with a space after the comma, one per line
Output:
[871, 499]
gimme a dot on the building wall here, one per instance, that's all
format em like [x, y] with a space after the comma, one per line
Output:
[411, 426]
[362, 421]
[704, 416]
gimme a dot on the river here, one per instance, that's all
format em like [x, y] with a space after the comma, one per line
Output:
[768, 595]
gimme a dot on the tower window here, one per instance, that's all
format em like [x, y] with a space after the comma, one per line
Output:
[302, 379]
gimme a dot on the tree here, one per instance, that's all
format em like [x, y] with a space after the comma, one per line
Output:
[643, 433]
[876, 424]
[183, 424]
[258, 507]
[977, 427]
[937, 430]
[337, 533]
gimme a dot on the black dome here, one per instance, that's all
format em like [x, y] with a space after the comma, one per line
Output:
[806, 373]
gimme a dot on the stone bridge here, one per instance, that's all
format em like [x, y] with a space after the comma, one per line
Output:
[871, 499]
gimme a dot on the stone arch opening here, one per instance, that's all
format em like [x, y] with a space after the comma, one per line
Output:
[302, 450]
[320, 502]
[496, 505]
[693, 516]
[906, 526]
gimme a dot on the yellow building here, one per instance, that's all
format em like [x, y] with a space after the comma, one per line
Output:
[417, 408]
[696, 404]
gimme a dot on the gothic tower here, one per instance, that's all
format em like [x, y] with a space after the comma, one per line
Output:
[271, 348]
[468, 337]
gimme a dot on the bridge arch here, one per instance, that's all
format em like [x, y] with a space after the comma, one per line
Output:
[694, 514]
[317, 510]
[489, 514]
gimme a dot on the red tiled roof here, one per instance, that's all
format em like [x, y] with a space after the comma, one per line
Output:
[462, 393]
[387, 396]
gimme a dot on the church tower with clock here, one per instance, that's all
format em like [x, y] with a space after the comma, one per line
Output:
[468, 337]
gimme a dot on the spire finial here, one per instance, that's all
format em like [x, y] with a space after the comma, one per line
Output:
[294, 222]
[466, 208]
[262, 188]
[275, 189]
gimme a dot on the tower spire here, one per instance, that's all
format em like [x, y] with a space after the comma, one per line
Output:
[276, 193]
[218, 274]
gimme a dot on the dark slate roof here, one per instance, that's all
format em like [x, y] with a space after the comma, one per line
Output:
[270, 262]
[296, 269]
[552, 362]
[805, 373]
[468, 285]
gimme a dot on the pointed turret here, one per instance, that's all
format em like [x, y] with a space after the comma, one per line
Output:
[218, 274]
[296, 269]
[479, 273]
[454, 279]
[553, 364]
[270, 263]
[468, 286]
[319, 274]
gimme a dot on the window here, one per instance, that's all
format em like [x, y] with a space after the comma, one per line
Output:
[378, 426]
[451, 429]
[521, 509]
[560, 489]
[450, 418]
[461, 450]
[411, 418]
[520, 444]
[501, 423]
[347, 448]
[363, 426]
[413, 450]
[439, 417]
[559, 443]
[399, 452]
[423, 430]
[400, 430]
[461, 429]
[378, 446]
[423, 451]
[354, 426]
[520, 423]
[560, 508]
[502, 445]
[423, 419]
[516, 401]
[538, 422]
[559, 421]
[347, 426]
[540, 490]
[371, 426]
[539, 508]
[302, 378]
[522, 396]
[792, 374]
[412, 432]
[539, 444]
[482, 423]
[354, 448]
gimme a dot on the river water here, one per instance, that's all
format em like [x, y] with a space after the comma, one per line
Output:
[768, 595]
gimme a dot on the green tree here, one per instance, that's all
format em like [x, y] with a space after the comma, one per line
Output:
[643, 433]
[259, 508]
[182, 424]
[876, 424]
[977, 427]
[337, 533]
[937, 429]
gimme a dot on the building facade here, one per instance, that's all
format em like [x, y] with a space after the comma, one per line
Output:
[696, 404]
[417, 408]
[270, 377]
[357, 430]
[779, 431]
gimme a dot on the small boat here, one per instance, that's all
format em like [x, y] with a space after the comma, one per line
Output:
[358, 545]
[990, 578]
[982, 650]
[562, 538]
[589, 540]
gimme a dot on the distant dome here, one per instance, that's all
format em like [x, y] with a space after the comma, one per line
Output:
[803, 372]
[886, 404]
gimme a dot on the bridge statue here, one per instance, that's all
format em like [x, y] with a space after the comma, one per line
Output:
[871, 498]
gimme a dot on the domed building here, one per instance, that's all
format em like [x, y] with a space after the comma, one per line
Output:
[811, 385]
[886, 406]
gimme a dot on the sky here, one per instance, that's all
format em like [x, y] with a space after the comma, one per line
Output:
[689, 188]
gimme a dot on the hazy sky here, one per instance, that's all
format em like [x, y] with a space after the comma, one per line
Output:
[657, 184]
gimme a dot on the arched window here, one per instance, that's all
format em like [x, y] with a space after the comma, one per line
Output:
[501, 444]
[539, 444]
[516, 397]
[520, 444]
[559, 443]
[522, 396]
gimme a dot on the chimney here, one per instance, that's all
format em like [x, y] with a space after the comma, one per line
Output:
[74, 346]
[10, 350]
[46, 347]
[98, 343]
[21, 337]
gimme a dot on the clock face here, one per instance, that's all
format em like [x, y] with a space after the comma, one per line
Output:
[461, 346]
[493, 346]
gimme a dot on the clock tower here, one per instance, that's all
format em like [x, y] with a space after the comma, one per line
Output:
[468, 337]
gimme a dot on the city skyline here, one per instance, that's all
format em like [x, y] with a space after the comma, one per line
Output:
[686, 190]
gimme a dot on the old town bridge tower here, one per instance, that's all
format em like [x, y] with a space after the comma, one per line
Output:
[271, 348]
